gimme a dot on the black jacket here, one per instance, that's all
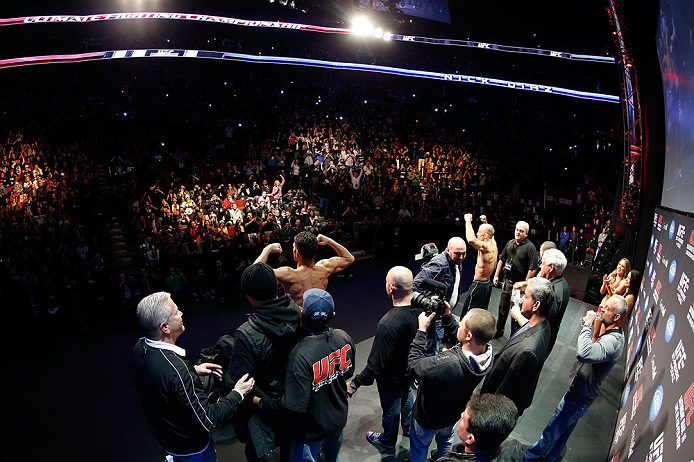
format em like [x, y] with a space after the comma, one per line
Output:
[261, 347]
[263, 343]
[448, 380]
[556, 314]
[518, 364]
[178, 411]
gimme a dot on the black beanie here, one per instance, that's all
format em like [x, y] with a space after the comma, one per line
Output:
[258, 281]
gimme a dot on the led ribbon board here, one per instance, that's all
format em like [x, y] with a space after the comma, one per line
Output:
[294, 26]
[179, 53]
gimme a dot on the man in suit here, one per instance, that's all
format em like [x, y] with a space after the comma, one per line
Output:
[518, 364]
[552, 268]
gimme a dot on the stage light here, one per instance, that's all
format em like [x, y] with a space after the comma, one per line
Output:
[125, 114]
[387, 36]
[378, 33]
[362, 26]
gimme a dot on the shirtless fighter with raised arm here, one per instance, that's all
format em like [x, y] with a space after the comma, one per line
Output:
[481, 289]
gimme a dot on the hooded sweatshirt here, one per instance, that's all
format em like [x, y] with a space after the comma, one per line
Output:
[448, 380]
[263, 343]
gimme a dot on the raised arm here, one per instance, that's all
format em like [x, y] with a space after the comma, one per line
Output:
[344, 257]
[471, 236]
[270, 248]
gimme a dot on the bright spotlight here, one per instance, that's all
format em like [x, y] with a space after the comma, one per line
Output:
[362, 26]
[387, 36]
[378, 33]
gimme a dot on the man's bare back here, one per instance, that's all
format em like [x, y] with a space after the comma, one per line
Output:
[308, 275]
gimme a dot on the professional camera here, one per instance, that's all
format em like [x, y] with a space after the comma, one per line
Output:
[433, 300]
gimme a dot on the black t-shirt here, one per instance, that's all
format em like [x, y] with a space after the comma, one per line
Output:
[315, 387]
[523, 257]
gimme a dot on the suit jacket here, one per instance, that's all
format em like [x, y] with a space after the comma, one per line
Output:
[518, 364]
[556, 314]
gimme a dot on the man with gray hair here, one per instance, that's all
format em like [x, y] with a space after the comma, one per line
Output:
[179, 412]
[552, 268]
[518, 364]
[597, 360]
[519, 262]
[387, 362]
[552, 265]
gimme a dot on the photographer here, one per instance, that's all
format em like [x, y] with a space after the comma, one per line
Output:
[459, 369]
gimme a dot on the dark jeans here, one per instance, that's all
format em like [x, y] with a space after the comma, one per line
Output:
[308, 452]
[557, 432]
[504, 306]
[396, 403]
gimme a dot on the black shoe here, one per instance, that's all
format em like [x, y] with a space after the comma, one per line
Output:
[375, 439]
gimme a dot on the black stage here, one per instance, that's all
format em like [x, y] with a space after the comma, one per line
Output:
[74, 399]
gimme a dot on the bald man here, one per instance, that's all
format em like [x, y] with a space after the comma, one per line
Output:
[447, 268]
[487, 252]
[387, 363]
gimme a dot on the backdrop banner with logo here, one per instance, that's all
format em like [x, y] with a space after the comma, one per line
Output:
[658, 396]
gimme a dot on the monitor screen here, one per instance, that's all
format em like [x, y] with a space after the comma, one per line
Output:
[675, 44]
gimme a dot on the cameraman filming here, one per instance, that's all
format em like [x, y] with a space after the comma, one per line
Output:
[446, 268]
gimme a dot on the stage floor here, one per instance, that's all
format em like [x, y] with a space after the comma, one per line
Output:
[75, 398]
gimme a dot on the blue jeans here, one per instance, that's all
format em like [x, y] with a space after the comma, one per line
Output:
[434, 343]
[557, 432]
[308, 452]
[421, 438]
[209, 454]
[395, 402]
